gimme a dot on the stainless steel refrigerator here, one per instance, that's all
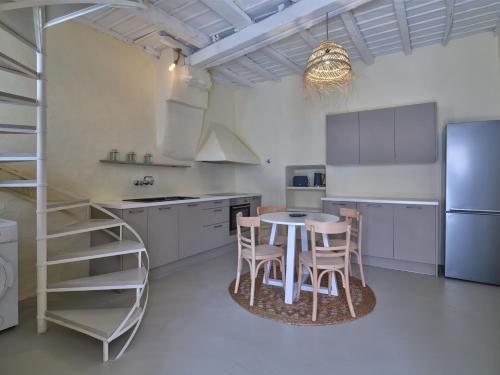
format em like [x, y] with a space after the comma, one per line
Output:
[472, 242]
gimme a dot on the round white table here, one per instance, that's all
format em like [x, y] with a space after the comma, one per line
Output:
[284, 218]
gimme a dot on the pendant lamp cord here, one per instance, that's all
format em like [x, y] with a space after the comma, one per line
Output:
[327, 38]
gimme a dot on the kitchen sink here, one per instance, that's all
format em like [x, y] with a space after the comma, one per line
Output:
[159, 199]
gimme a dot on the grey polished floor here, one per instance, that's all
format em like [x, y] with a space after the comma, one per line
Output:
[420, 325]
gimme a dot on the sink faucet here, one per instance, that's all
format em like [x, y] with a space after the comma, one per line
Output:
[147, 180]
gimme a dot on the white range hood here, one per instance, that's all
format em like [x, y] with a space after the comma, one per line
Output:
[223, 146]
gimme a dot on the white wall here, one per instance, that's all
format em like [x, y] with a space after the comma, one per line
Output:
[101, 95]
[284, 124]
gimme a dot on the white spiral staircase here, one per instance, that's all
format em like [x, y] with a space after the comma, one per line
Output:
[104, 324]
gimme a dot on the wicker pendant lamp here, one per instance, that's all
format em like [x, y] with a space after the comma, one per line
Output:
[328, 66]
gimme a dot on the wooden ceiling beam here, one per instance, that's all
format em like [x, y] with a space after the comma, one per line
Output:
[234, 77]
[256, 68]
[231, 12]
[450, 14]
[275, 55]
[175, 27]
[71, 15]
[400, 10]
[297, 17]
[310, 39]
[168, 41]
[21, 4]
[357, 39]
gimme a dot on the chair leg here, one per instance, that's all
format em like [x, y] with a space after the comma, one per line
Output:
[299, 279]
[315, 295]
[252, 288]
[275, 271]
[349, 299]
[329, 283]
[360, 265]
[238, 274]
[282, 267]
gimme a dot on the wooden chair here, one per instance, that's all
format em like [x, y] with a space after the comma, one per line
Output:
[265, 229]
[255, 255]
[326, 260]
[353, 217]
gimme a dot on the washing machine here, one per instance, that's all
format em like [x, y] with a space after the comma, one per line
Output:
[8, 274]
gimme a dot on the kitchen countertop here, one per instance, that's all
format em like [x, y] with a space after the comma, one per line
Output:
[420, 201]
[121, 205]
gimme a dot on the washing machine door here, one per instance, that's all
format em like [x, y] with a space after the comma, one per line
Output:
[6, 276]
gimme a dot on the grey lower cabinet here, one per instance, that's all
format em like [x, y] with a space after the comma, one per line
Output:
[378, 229]
[376, 136]
[163, 228]
[190, 225]
[203, 226]
[415, 233]
[170, 232]
[333, 208]
[399, 236]
[254, 203]
[138, 219]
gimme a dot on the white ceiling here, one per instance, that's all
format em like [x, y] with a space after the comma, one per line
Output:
[370, 30]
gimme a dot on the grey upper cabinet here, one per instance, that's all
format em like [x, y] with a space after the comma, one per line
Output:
[416, 133]
[163, 238]
[378, 229]
[342, 139]
[190, 229]
[415, 233]
[398, 135]
[376, 136]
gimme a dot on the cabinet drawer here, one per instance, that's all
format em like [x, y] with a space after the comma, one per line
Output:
[378, 229]
[212, 204]
[214, 215]
[214, 236]
[415, 233]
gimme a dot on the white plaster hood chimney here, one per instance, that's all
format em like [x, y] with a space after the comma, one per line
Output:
[223, 146]
[181, 102]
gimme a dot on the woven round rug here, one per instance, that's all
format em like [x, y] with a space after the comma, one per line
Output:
[270, 302]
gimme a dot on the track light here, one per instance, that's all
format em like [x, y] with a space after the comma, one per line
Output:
[176, 60]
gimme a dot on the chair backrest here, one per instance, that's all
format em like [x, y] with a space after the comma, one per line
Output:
[243, 241]
[331, 251]
[353, 216]
[270, 209]
[265, 229]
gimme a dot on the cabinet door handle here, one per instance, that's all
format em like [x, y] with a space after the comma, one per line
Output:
[135, 211]
[217, 210]
[164, 208]
[340, 204]
[217, 226]
[374, 205]
[417, 207]
[193, 205]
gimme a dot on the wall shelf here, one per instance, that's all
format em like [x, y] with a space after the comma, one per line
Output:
[144, 164]
[304, 198]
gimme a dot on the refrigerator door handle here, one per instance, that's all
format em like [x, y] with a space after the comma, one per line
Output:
[471, 211]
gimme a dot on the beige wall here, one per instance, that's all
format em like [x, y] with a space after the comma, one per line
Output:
[282, 123]
[101, 95]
